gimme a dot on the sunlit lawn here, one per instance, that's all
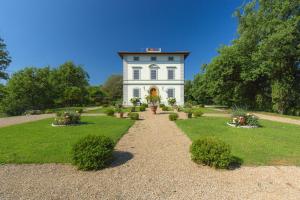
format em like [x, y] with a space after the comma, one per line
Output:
[273, 144]
[39, 142]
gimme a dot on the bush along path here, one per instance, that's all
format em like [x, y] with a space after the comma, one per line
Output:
[152, 162]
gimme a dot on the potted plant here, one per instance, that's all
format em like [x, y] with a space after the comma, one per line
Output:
[135, 101]
[171, 101]
[189, 112]
[119, 109]
[153, 101]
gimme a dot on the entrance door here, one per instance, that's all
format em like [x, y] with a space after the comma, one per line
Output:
[153, 92]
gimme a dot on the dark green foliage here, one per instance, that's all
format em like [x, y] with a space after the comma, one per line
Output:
[197, 113]
[211, 152]
[145, 105]
[252, 120]
[189, 112]
[133, 115]
[171, 101]
[142, 108]
[260, 68]
[67, 118]
[113, 87]
[173, 116]
[162, 105]
[4, 60]
[166, 108]
[110, 111]
[93, 152]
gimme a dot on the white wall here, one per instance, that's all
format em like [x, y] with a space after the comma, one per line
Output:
[145, 83]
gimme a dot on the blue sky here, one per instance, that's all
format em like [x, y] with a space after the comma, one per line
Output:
[91, 32]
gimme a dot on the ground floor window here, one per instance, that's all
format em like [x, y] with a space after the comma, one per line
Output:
[171, 93]
[136, 92]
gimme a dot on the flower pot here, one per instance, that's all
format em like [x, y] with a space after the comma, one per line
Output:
[121, 115]
[189, 115]
[153, 109]
[242, 120]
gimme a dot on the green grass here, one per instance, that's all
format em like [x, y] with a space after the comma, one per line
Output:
[39, 142]
[273, 144]
[102, 110]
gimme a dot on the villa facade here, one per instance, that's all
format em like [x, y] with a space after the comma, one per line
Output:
[153, 72]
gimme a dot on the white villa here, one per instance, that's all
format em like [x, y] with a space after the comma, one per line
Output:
[153, 72]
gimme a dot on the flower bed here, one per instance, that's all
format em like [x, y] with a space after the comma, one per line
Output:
[242, 119]
[66, 119]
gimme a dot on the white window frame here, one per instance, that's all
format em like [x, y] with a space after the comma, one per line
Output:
[156, 74]
[139, 70]
[139, 92]
[173, 89]
[173, 70]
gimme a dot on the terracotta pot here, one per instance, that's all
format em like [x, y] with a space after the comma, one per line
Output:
[242, 120]
[153, 109]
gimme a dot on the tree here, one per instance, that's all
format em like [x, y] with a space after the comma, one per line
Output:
[261, 64]
[70, 83]
[28, 89]
[4, 60]
[113, 86]
[96, 95]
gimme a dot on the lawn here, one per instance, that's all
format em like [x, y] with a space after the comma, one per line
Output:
[39, 142]
[273, 144]
[278, 115]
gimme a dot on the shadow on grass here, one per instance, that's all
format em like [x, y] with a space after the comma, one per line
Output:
[120, 158]
[236, 163]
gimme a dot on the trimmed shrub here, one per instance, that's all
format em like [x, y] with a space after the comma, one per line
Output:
[252, 120]
[162, 105]
[189, 112]
[132, 109]
[173, 116]
[142, 108]
[67, 118]
[197, 113]
[93, 152]
[110, 112]
[133, 116]
[145, 105]
[211, 152]
[165, 108]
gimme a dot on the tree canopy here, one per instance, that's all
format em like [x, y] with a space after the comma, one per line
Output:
[261, 67]
[4, 60]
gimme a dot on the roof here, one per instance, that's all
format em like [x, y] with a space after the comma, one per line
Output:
[185, 53]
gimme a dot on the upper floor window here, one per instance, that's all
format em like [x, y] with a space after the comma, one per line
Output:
[171, 74]
[171, 93]
[153, 58]
[136, 93]
[136, 74]
[136, 58]
[170, 58]
[153, 74]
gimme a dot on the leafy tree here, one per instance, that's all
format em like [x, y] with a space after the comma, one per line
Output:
[96, 95]
[260, 68]
[28, 89]
[70, 83]
[4, 60]
[113, 86]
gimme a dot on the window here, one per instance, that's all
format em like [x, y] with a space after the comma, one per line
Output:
[136, 58]
[153, 58]
[170, 58]
[171, 93]
[136, 74]
[136, 92]
[153, 74]
[171, 74]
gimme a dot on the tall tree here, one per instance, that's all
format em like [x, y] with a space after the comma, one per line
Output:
[113, 86]
[4, 60]
[70, 82]
[28, 89]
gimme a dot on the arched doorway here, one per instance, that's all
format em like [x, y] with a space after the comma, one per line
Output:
[153, 91]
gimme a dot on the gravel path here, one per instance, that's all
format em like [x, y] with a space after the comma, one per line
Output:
[8, 121]
[153, 162]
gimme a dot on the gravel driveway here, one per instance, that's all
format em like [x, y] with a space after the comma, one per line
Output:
[153, 162]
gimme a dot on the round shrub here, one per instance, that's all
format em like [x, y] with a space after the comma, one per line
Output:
[110, 112]
[93, 152]
[133, 116]
[142, 108]
[166, 108]
[173, 116]
[197, 113]
[211, 152]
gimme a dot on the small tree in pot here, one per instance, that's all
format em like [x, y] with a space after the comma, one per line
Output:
[154, 102]
[135, 101]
